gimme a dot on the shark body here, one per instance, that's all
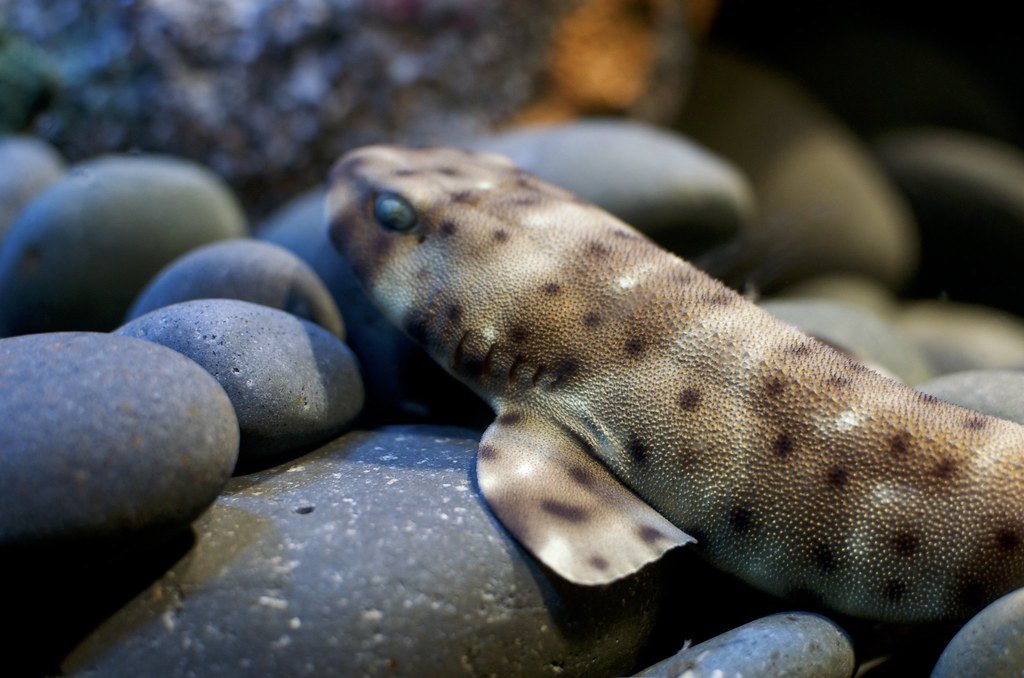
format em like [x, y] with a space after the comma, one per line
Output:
[642, 405]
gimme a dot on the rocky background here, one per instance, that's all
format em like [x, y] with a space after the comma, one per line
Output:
[216, 457]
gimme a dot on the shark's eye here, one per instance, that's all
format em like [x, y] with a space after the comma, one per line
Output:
[394, 212]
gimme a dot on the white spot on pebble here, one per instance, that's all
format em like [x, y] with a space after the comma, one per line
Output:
[372, 615]
[274, 603]
[294, 623]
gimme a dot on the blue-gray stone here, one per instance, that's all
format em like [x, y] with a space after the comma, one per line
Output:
[374, 555]
[249, 270]
[291, 382]
[403, 383]
[80, 252]
[823, 204]
[998, 393]
[664, 184]
[857, 332]
[991, 644]
[791, 644]
[967, 193]
[27, 166]
[958, 337]
[106, 439]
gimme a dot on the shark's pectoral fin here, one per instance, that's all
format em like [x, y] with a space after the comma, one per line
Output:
[564, 506]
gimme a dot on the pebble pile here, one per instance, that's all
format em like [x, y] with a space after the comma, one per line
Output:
[290, 481]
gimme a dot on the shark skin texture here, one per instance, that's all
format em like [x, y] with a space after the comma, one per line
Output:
[642, 405]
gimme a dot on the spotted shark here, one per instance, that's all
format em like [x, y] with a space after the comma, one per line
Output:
[642, 405]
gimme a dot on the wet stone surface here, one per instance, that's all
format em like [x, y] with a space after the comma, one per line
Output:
[247, 270]
[291, 382]
[374, 555]
[105, 440]
[80, 252]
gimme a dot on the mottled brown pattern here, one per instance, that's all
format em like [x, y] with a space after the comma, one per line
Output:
[857, 492]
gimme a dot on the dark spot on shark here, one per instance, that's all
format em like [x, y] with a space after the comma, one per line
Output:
[509, 418]
[406, 172]
[454, 313]
[928, 398]
[552, 288]
[740, 519]
[567, 512]
[1008, 539]
[465, 197]
[519, 334]
[447, 228]
[449, 171]
[899, 443]
[597, 250]
[783, 446]
[563, 370]
[416, 326]
[638, 451]
[689, 399]
[825, 558]
[592, 319]
[500, 235]
[894, 590]
[636, 345]
[580, 476]
[598, 563]
[650, 534]
[904, 543]
[975, 423]
[774, 386]
[838, 477]
[945, 469]
[487, 451]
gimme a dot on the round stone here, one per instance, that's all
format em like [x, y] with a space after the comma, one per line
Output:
[859, 333]
[403, 383]
[855, 290]
[662, 183]
[990, 644]
[105, 440]
[373, 555]
[27, 166]
[82, 250]
[958, 337]
[967, 192]
[291, 382]
[998, 393]
[824, 206]
[793, 644]
[248, 270]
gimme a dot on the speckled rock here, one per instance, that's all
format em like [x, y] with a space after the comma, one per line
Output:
[106, 439]
[967, 193]
[958, 337]
[27, 166]
[291, 382]
[82, 250]
[662, 183]
[859, 333]
[990, 645]
[248, 270]
[374, 555]
[791, 644]
[862, 292]
[999, 393]
[270, 94]
[824, 206]
[403, 384]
